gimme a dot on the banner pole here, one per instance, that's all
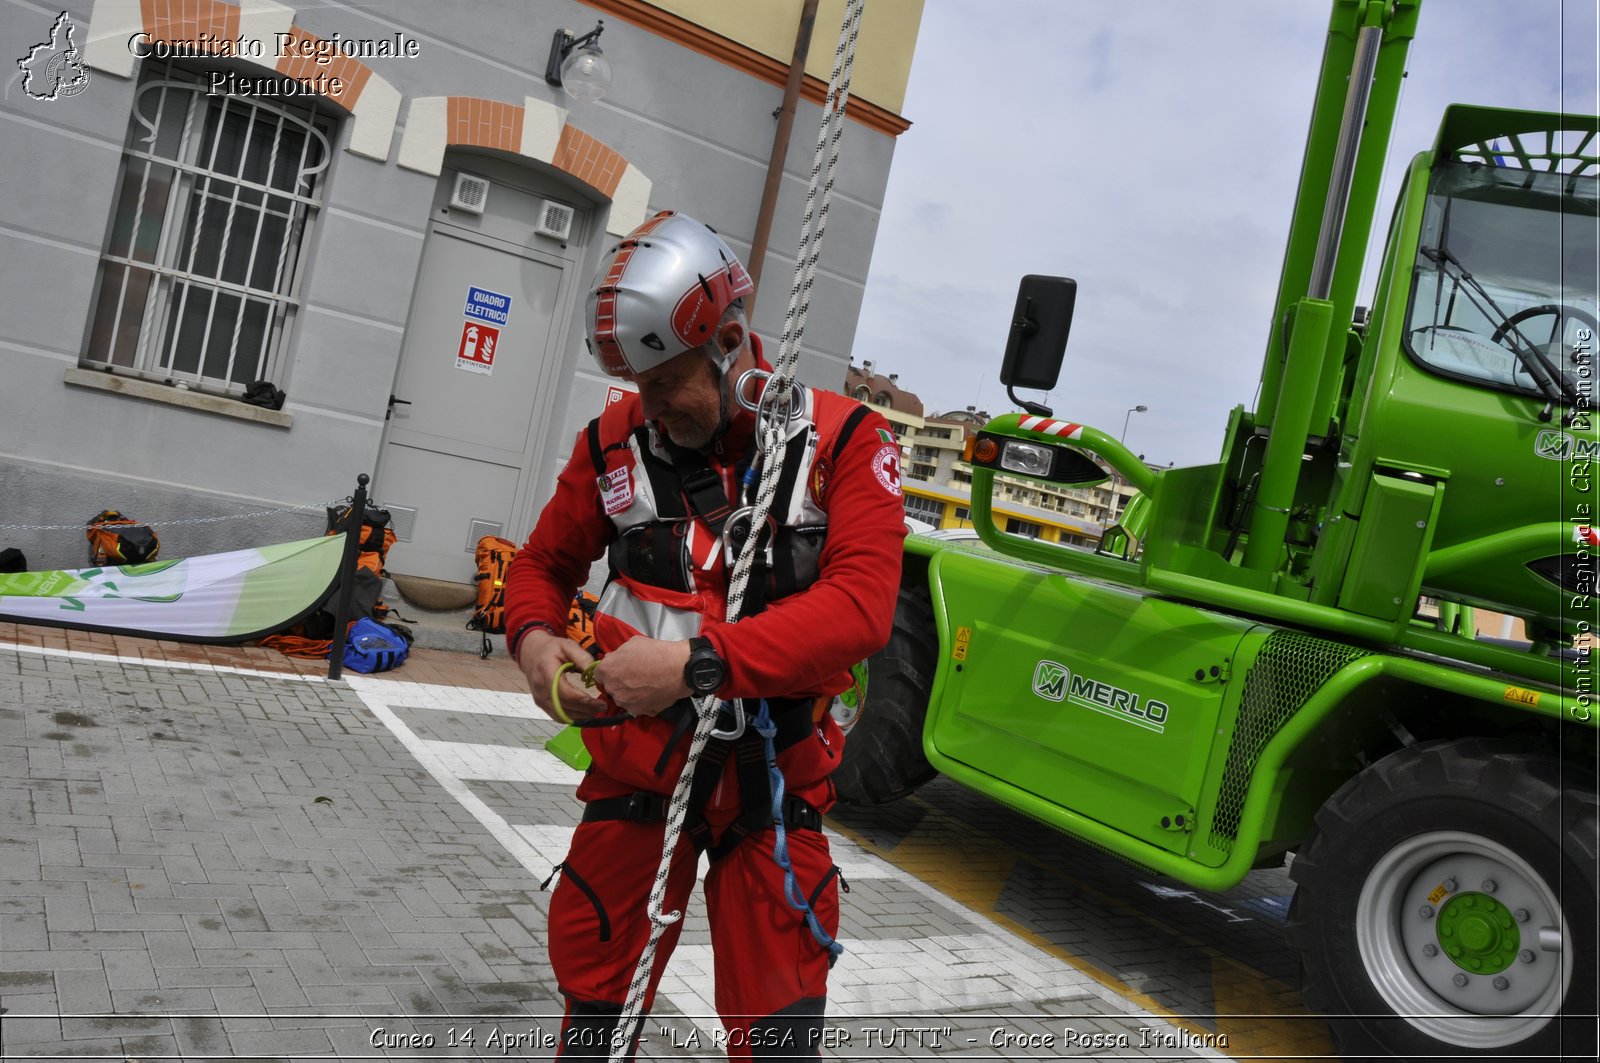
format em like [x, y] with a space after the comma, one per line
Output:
[354, 523]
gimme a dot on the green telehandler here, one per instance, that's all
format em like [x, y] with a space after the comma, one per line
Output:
[1276, 653]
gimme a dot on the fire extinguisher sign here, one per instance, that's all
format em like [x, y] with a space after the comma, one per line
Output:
[477, 349]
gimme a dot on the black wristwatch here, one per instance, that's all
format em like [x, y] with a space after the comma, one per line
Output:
[704, 671]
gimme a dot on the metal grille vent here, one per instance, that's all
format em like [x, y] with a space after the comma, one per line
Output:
[1289, 669]
[403, 519]
[471, 193]
[478, 528]
[555, 220]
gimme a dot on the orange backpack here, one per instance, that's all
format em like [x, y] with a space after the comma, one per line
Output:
[580, 620]
[372, 553]
[493, 556]
[117, 540]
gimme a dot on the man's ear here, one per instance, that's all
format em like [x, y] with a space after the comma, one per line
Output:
[730, 335]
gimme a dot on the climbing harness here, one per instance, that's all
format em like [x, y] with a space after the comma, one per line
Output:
[774, 408]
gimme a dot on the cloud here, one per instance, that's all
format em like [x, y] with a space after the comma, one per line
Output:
[1151, 151]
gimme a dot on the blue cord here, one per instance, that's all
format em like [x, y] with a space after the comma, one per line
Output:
[766, 728]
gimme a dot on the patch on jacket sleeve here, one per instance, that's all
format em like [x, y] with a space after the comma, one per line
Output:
[821, 479]
[886, 467]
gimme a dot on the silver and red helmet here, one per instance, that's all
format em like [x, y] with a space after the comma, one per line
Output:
[659, 292]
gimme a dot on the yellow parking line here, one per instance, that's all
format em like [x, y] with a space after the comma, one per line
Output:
[1261, 1017]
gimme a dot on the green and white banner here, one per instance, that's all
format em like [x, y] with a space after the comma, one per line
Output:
[232, 597]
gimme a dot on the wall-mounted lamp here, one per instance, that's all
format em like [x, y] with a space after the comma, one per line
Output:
[577, 64]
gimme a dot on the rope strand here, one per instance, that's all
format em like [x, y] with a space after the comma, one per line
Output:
[772, 439]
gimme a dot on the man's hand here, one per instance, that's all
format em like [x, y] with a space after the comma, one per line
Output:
[644, 675]
[540, 656]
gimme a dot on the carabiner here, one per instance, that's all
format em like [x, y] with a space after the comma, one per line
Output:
[738, 722]
[739, 524]
[775, 409]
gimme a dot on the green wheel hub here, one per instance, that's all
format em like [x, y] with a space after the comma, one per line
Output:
[1478, 933]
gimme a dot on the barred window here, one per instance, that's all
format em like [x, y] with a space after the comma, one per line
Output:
[216, 202]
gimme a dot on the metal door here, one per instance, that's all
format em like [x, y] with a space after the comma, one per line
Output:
[471, 397]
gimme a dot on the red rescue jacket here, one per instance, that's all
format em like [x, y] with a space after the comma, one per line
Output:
[840, 502]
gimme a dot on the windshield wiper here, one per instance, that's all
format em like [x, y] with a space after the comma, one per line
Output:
[1551, 381]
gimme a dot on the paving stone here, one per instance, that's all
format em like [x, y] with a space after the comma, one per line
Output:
[36, 1004]
[113, 1026]
[277, 1042]
[157, 1001]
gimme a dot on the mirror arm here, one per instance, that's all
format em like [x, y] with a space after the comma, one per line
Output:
[1037, 409]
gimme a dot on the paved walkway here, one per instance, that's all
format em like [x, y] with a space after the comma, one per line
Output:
[217, 853]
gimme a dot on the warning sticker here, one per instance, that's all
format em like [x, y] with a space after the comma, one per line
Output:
[478, 345]
[1522, 696]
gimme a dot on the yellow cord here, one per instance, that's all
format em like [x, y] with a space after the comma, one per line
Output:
[555, 687]
[555, 694]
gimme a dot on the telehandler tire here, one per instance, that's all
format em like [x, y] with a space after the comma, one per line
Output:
[1446, 906]
[883, 756]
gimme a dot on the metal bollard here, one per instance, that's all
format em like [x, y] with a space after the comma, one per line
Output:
[347, 575]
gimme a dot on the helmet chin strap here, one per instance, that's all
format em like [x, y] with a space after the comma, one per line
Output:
[722, 365]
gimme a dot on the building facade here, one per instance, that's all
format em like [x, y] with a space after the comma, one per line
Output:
[389, 216]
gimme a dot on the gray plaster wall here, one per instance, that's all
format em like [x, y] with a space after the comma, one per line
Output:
[701, 131]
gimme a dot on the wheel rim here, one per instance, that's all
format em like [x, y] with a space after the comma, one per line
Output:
[1464, 939]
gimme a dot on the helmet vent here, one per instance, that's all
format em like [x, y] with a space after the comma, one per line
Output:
[555, 220]
[470, 194]
[653, 342]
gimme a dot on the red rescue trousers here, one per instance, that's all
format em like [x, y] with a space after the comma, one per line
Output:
[771, 973]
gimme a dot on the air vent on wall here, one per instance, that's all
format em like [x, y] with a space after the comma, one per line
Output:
[403, 519]
[555, 220]
[477, 528]
[471, 193]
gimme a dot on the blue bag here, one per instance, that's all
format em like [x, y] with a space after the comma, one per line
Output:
[373, 647]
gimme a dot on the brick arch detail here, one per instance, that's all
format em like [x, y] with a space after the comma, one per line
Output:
[204, 25]
[536, 130]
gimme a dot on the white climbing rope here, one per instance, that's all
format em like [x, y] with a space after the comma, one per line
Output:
[776, 409]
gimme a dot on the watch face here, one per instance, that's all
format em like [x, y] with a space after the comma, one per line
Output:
[705, 675]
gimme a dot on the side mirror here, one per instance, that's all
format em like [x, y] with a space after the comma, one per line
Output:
[1038, 338]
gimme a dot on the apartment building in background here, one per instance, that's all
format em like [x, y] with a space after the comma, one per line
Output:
[937, 480]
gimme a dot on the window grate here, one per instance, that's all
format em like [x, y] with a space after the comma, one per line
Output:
[218, 195]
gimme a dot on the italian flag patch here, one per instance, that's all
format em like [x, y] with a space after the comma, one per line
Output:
[885, 435]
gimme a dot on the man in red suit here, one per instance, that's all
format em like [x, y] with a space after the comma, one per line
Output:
[660, 483]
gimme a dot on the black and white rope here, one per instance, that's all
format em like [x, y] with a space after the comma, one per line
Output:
[772, 439]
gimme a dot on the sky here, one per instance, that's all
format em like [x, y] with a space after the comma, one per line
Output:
[1150, 151]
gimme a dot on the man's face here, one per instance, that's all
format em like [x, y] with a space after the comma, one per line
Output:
[681, 396]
